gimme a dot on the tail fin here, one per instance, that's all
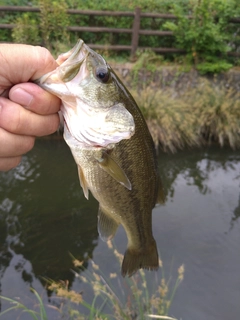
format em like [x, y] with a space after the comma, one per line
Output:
[134, 260]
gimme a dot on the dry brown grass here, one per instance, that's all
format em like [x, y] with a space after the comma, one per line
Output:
[201, 115]
[217, 111]
[171, 124]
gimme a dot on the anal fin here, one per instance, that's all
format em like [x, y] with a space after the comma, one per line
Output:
[107, 226]
[111, 167]
[83, 182]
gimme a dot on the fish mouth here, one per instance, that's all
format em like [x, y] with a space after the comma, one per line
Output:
[90, 122]
[72, 54]
[69, 63]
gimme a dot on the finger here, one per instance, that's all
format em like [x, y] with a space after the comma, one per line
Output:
[16, 119]
[9, 163]
[12, 145]
[31, 62]
[35, 98]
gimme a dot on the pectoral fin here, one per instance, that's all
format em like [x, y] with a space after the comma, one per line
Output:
[83, 182]
[111, 167]
[107, 226]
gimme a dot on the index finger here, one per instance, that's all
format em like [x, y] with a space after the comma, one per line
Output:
[23, 63]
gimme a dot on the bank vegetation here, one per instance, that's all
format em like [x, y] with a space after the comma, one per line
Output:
[198, 112]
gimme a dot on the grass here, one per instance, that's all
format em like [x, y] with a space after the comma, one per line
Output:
[114, 297]
[202, 115]
[16, 305]
[119, 298]
[171, 124]
[218, 114]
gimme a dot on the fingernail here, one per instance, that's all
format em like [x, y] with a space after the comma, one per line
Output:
[22, 97]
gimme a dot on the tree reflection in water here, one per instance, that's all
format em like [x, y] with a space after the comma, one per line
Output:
[196, 166]
[41, 217]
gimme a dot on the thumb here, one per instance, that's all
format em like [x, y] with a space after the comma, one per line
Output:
[21, 63]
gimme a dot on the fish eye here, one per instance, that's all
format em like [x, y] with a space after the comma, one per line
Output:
[102, 74]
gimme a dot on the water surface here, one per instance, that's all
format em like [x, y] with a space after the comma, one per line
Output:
[44, 217]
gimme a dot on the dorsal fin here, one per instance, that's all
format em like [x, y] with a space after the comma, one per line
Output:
[107, 226]
[83, 182]
[111, 167]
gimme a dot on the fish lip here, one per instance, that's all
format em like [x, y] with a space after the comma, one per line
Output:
[73, 55]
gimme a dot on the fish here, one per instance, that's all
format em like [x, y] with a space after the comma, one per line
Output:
[113, 149]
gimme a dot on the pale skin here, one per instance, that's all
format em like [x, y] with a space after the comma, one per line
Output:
[26, 110]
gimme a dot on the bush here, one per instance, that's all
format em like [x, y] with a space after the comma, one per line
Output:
[26, 30]
[206, 35]
[47, 28]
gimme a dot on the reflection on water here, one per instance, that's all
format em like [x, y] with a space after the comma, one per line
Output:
[236, 213]
[44, 217]
[40, 215]
[196, 168]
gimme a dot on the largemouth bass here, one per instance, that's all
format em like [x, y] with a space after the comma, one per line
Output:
[113, 150]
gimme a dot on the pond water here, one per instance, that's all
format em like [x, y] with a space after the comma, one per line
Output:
[44, 217]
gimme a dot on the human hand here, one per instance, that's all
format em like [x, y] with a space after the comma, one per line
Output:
[26, 110]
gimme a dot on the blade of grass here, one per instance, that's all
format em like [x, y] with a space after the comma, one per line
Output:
[41, 306]
[8, 310]
[18, 306]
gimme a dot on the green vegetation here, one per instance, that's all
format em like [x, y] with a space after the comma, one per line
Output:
[47, 28]
[114, 297]
[206, 37]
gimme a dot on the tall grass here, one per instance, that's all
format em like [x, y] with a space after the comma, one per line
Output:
[217, 111]
[171, 124]
[205, 114]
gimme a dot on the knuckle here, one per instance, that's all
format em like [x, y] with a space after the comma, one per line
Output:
[45, 59]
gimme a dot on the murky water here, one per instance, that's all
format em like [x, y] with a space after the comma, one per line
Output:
[44, 217]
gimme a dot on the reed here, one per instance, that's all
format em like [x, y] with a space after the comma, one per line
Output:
[217, 111]
[201, 115]
[171, 124]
